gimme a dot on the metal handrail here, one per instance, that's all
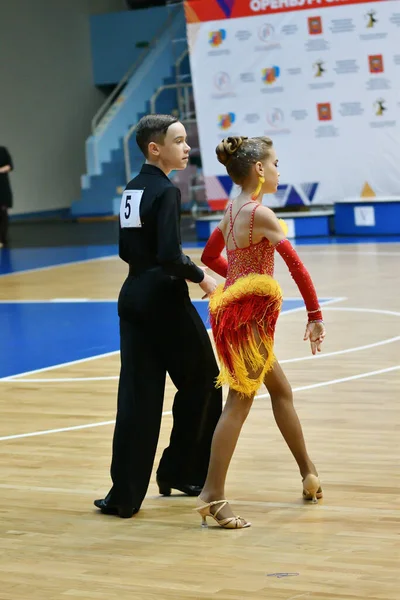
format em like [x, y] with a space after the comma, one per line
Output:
[127, 156]
[110, 99]
[127, 137]
[170, 86]
[181, 99]
[179, 62]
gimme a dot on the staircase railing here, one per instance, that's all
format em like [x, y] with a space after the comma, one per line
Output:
[185, 87]
[127, 155]
[180, 79]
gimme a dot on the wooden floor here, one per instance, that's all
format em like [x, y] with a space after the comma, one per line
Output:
[53, 543]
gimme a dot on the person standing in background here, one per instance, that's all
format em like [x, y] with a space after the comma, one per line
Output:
[6, 198]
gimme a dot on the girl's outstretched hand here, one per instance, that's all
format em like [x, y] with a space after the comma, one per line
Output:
[315, 332]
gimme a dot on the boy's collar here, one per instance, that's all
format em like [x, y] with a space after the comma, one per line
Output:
[153, 170]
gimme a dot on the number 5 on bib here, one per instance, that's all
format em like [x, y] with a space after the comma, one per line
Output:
[129, 212]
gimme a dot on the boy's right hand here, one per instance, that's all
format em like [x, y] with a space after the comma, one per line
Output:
[208, 285]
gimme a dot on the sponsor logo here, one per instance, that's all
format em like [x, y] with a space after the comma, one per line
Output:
[275, 118]
[371, 19]
[270, 74]
[265, 32]
[324, 111]
[225, 121]
[314, 25]
[375, 63]
[380, 107]
[216, 38]
[222, 81]
[319, 68]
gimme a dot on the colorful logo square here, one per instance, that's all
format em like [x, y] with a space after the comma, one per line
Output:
[314, 25]
[324, 111]
[225, 121]
[375, 63]
[216, 38]
[270, 74]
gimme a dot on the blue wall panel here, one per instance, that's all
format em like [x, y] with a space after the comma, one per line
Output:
[114, 39]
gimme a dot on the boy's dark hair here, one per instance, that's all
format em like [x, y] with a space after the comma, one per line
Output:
[153, 128]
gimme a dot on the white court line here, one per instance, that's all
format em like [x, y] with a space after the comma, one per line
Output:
[355, 253]
[61, 301]
[13, 378]
[337, 352]
[303, 308]
[111, 256]
[377, 311]
[62, 429]
[341, 380]
[66, 364]
[289, 298]
[284, 361]
[299, 389]
[61, 379]
[115, 300]
[81, 360]
[58, 265]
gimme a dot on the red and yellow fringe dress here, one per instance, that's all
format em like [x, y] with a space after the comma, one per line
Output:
[249, 301]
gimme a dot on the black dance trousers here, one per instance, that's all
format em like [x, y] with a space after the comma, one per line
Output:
[161, 332]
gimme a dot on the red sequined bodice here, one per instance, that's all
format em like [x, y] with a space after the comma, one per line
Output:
[255, 258]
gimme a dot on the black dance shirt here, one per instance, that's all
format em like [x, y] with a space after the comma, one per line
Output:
[157, 239]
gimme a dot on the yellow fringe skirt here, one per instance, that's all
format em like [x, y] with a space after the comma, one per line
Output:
[243, 318]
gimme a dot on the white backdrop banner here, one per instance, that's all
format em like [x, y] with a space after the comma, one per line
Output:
[320, 77]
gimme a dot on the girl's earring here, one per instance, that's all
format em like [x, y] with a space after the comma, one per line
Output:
[256, 193]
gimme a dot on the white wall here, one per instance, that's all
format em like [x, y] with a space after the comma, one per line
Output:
[47, 96]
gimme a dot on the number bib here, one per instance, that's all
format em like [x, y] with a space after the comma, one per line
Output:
[129, 212]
